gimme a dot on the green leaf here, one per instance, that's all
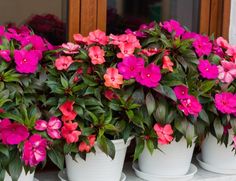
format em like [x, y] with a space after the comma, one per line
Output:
[106, 146]
[150, 146]
[218, 128]
[206, 86]
[4, 150]
[203, 115]
[87, 131]
[166, 91]
[2, 174]
[57, 158]
[150, 103]
[89, 81]
[64, 82]
[15, 167]
[139, 148]
[233, 124]
[94, 117]
[190, 134]
[161, 111]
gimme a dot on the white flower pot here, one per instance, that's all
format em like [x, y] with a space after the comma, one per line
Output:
[23, 176]
[217, 155]
[174, 159]
[98, 166]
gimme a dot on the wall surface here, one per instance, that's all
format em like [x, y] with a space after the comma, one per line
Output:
[18, 11]
[232, 28]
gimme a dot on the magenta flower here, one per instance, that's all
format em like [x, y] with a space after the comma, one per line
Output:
[190, 105]
[202, 45]
[173, 25]
[225, 102]
[130, 67]
[189, 35]
[12, 133]
[2, 30]
[181, 92]
[227, 71]
[52, 127]
[36, 41]
[149, 76]
[208, 70]
[34, 150]
[5, 54]
[26, 61]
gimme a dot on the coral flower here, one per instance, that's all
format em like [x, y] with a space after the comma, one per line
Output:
[34, 150]
[126, 49]
[68, 111]
[52, 127]
[12, 133]
[227, 71]
[150, 51]
[97, 55]
[207, 69]
[164, 133]
[202, 45]
[70, 133]
[97, 36]
[5, 54]
[130, 67]
[175, 26]
[113, 78]
[181, 92]
[84, 147]
[149, 76]
[79, 38]
[225, 102]
[63, 62]
[167, 63]
[190, 105]
[26, 61]
[70, 48]
[223, 43]
[231, 51]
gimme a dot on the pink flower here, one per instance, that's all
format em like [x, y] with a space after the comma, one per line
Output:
[149, 76]
[190, 105]
[223, 43]
[97, 36]
[208, 70]
[113, 78]
[181, 92]
[2, 30]
[79, 38]
[164, 133]
[70, 133]
[26, 61]
[5, 54]
[175, 26]
[52, 127]
[202, 45]
[167, 63]
[70, 48]
[127, 49]
[130, 67]
[67, 110]
[231, 51]
[150, 51]
[36, 42]
[12, 133]
[63, 62]
[97, 55]
[227, 71]
[225, 102]
[84, 147]
[34, 150]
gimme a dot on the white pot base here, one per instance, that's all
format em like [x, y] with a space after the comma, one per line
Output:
[63, 176]
[212, 168]
[190, 174]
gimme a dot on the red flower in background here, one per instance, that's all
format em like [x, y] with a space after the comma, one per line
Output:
[68, 111]
[70, 133]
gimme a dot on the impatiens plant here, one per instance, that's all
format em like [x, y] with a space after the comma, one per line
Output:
[22, 144]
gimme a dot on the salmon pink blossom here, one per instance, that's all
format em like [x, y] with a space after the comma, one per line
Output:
[63, 62]
[84, 147]
[223, 43]
[79, 38]
[164, 133]
[70, 48]
[150, 51]
[70, 133]
[97, 55]
[149, 76]
[68, 111]
[181, 92]
[5, 54]
[34, 150]
[225, 102]
[231, 51]
[227, 71]
[167, 63]
[208, 70]
[190, 105]
[113, 78]
[202, 45]
[175, 26]
[130, 67]
[97, 36]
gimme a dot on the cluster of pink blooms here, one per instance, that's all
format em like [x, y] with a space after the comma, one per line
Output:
[173, 26]
[189, 104]
[208, 70]
[134, 68]
[225, 102]
[164, 133]
[30, 49]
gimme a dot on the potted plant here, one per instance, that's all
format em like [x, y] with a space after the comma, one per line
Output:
[98, 116]
[218, 147]
[171, 79]
[22, 147]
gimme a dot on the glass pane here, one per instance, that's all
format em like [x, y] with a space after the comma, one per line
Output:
[46, 17]
[123, 14]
